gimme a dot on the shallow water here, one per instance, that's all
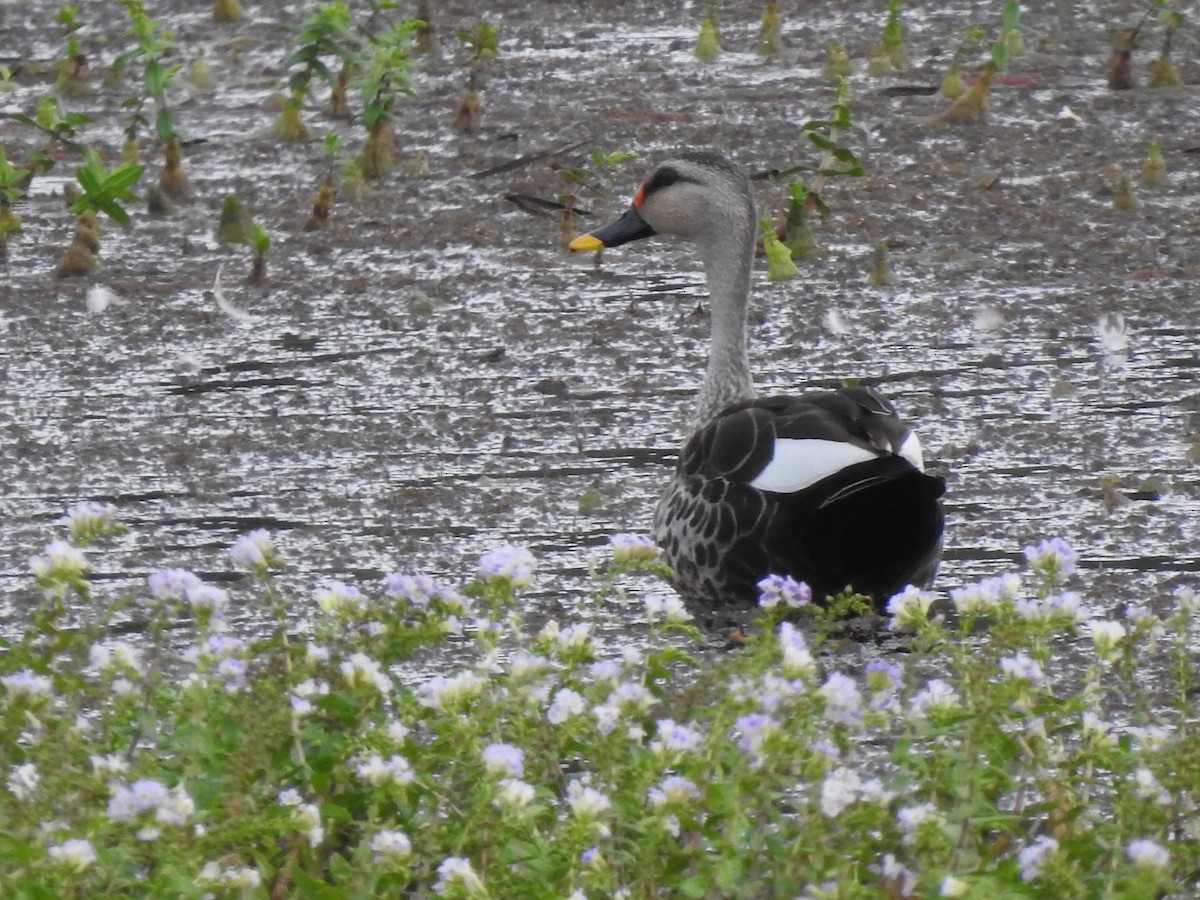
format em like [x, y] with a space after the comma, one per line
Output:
[433, 375]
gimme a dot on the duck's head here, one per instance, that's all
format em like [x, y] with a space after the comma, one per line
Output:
[700, 197]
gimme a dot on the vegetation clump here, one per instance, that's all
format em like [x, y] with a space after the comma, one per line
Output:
[101, 191]
[708, 41]
[1016, 749]
[483, 41]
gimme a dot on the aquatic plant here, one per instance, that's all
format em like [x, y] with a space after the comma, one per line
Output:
[323, 202]
[769, 40]
[10, 193]
[1023, 746]
[260, 243]
[837, 61]
[384, 78]
[324, 36]
[200, 74]
[101, 191]
[483, 41]
[972, 105]
[881, 266]
[1122, 193]
[796, 234]
[228, 11]
[1120, 63]
[154, 44]
[708, 41]
[73, 68]
[1164, 73]
[890, 54]
[234, 225]
[1154, 169]
[1011, 34]
[778, 254]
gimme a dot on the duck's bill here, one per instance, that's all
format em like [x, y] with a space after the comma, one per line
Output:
[630, 227]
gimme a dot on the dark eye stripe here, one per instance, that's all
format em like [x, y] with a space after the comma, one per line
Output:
[664, 177]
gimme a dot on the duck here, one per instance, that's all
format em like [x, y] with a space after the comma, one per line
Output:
[827, 487]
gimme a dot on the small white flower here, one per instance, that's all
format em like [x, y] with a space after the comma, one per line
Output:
[843, 700]
[566, 703]
[1032, 858]
[674, 790]
[523, 666]
[512, 793]
[1098, 731]
[953, 886]
[1148, 787]
[631, 697]
[23, 781]
[632, 548]
[504, 760]
[90, 519]
[447, 693]
[308, 817]
[902, 878]
[75, 853]
[839, 789]
[255, 551]
[377, 771]
[937, 696]
[667, 607]
[290, 797]
[235, 878]
[455, 872]
[391, 846]
[1185, 601]
[26, 683]
[1021, 667]
[1149, 737]
[585, 801]
[361, 670]
[508, 563]
[1148, 854]
[1107, 637]
[673, 737]
[910, 607]
[112, 764]
[574, 637]
[60, 561]
[797, 660]
[338, 599]
[911, 818]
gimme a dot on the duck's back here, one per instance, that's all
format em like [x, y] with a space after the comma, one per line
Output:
[826, 487]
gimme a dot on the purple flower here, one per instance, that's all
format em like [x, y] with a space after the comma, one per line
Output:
[504, 759]
[1032, 858]
[752, 731]
[630, 549]
[508, 563]
[255, 551]
[843, 702]
[783, 589]
[1055, 557]
[674, 790]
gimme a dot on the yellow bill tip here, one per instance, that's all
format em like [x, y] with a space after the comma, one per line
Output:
[586, 242]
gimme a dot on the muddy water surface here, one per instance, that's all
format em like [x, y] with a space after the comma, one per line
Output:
[433, 375]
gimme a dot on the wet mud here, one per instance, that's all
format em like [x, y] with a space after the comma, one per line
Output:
[433, 374]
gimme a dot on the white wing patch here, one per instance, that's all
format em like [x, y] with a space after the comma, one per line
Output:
[911, 450]
[800, 462]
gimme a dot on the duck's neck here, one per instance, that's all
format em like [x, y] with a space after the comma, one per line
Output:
[727, 269]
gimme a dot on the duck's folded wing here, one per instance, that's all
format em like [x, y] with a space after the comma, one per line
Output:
[787, 444]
